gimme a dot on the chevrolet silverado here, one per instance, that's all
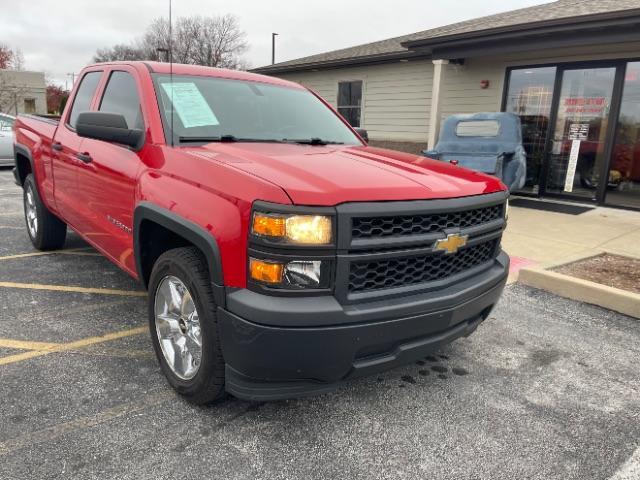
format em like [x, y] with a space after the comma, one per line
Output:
[282, 255]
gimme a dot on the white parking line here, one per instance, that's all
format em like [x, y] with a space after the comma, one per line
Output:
[630, 470]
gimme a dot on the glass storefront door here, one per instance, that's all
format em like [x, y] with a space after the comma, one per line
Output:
[624, 172]
[579, 136]
[529, 96]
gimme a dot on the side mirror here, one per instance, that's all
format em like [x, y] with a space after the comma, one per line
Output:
[109, 127]
[363, 133]
[431, 154]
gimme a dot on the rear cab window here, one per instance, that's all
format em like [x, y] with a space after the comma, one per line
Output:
[478, 128]
[121, 96]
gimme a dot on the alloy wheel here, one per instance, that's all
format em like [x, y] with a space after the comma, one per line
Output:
[178, 327]
[31, 212]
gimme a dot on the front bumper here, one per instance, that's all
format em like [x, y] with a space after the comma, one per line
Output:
[283, 347]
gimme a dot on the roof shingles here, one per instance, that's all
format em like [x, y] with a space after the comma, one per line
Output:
[560, 9]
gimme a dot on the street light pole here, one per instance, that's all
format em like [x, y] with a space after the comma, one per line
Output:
[273, 48]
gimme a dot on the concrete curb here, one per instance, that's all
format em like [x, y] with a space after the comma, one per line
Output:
[582, 290]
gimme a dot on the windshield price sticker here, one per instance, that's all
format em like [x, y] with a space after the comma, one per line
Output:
[190, 105]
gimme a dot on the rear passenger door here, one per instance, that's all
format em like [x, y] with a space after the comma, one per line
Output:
[65, 148]
[107, 178]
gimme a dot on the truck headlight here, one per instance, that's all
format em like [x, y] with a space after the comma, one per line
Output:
[296, 229]
[292, 274]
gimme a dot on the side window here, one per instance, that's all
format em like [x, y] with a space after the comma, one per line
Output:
[82, 101]
[121, 96]
[349, 101]
[6, 123]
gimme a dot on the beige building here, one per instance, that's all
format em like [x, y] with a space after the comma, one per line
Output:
[559, 66]
[22, 92]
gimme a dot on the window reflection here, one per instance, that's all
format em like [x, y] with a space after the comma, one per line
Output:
[529, 96]
[625, 162]
[579, 137]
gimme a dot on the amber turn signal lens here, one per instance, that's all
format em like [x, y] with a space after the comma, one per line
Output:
[268, 225]
[266, 272]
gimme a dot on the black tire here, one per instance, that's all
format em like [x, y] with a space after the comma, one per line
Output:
[190, 267]
[50, 232]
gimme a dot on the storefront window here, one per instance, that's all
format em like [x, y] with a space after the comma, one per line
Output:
[580, 132]
[624, 174]
[529, 96]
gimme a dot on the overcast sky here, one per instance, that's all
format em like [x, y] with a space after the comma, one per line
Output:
[61, 36]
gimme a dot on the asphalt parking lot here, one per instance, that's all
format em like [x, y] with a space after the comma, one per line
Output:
[545, 389]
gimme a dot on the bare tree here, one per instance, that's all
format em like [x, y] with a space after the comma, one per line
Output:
[216, 41]
[119, 52]
[18, 60]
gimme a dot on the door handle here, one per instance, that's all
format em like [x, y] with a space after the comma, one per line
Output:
[57, 146]
[84, 157]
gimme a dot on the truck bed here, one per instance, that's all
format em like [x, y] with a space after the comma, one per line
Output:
[32, 128]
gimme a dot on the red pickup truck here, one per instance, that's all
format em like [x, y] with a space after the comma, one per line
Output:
[282, 255]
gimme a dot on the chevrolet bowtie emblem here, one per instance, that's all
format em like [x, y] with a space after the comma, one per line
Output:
[451, 244]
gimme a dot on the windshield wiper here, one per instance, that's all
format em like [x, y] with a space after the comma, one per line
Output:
[197, 139]
[311, 141]
[226, 138]
[233, 138]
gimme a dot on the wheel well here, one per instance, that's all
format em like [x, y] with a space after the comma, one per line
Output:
[156, 239]
[24, 167]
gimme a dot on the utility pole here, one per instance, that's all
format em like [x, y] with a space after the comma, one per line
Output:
[73, 78]
[273, 48]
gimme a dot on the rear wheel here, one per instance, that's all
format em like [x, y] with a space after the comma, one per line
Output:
[183, 324]
[46, 231]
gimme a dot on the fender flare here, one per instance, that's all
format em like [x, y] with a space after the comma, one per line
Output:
[18, 148]
[192, 232]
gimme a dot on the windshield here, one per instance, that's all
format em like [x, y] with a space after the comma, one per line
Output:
[208, 109]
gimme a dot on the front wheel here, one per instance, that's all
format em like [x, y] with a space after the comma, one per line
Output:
[183, 324]
[46, 231]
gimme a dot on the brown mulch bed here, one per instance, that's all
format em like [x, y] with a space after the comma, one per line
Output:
[606, 269]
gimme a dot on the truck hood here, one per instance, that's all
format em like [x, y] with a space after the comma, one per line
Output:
[330, 175]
